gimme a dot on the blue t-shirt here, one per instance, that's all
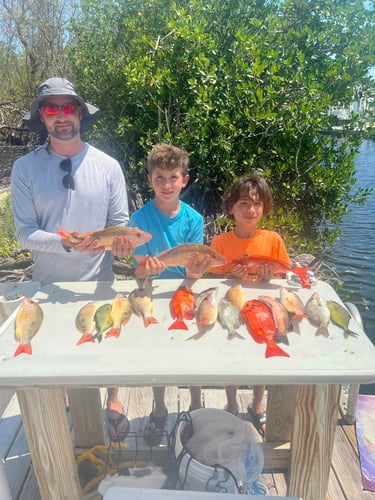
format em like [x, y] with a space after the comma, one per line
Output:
[167, 232]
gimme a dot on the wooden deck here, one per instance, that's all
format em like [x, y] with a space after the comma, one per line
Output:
[345, 478]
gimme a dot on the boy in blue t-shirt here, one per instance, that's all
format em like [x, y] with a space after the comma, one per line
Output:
[171, 222]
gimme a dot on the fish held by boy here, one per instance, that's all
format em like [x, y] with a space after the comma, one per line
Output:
[230, 318]
[121, 312]
[207, 308]
[341, 317]
[106, 236]
[262, 327]
[180, 255]
[182, 307]
[85, 323]
[319, 314]
[280, 316]
[141, 303]
[254, 262]
[103, 320]
[28, 320]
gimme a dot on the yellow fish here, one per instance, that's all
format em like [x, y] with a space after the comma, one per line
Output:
[236, 295]
[85, 323]
[28, 321]
[121, 312]
[140, 300]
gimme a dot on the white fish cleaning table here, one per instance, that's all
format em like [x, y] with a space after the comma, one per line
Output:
[303, 389]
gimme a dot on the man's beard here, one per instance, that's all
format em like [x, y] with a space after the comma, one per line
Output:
[65, 134]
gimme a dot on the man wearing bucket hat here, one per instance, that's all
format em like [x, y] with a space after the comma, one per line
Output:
[69, 183]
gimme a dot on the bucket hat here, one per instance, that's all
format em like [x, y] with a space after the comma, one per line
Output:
[58, 87]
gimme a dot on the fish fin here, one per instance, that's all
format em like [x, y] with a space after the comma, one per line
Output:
[322, 330]
[189, 315]
[282, 338]
[88, 337]
[23, 348]
[349, 333]
[63, 233]
[179, 324]
[275, 350]
[299, 315]
[113, 332]
[149, 321]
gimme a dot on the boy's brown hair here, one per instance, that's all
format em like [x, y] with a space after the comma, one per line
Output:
[168, 157]
[252, 186]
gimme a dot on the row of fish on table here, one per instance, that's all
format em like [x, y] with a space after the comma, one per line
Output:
[268, 319]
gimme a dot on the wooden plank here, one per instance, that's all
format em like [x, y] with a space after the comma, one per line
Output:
[280, 406]
[46, 426]
[87, 417]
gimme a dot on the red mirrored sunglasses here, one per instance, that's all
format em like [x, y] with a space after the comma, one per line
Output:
[68, 108]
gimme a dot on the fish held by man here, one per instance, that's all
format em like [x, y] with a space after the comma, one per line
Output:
[280, 316]
[180, 255]
[182, 307]
[254, 262]
[85, 323]
[103, 320]
[236, 295]
[262, 327]
[292, 303]
[121, 312]
[318, 313]
[207, 308]
[28, 320]
[341, 317]
[106, 236]
[229, 317]
[141, 303]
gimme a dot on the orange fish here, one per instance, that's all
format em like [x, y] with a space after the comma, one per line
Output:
[181, 254]
[107, 235]
[182, 306]
[253, 262]
[261, 325]
[305, 276]
[28, 321]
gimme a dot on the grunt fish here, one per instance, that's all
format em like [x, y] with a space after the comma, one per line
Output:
[121, 312]
[292, 303]
[236, 295]
[182, 307]
[85, 323]
[318, 313]
[229, 317]
[103, 320]
[140, 300]
[181, 254]
[341, 317]
[28, 320]
[253, 262]
[262, 327]
[107, 235]
[280, 316]
[206, 307]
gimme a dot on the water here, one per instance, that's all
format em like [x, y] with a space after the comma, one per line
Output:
[353, 255]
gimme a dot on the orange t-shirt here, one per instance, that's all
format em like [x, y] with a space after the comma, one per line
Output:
[265, 243]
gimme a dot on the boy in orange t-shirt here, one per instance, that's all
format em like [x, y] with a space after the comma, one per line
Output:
[246, 202]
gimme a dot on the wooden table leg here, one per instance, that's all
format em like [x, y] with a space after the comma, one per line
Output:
[87, 417]
[47, 430]
[313, 436]
[280, 412]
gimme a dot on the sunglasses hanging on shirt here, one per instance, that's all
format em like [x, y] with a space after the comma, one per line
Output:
[68, 180]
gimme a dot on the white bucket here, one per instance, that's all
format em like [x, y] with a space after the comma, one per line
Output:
[7, 306]
[196, 476]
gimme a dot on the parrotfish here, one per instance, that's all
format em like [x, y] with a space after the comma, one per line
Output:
[29, 318]
[262, 327]
[182, 307]
[106, 236]
[121, 312]
[85, 323]
[103, 320]
[341, 317]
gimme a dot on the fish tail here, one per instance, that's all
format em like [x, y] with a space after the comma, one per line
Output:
[23, 348]
[322, 330]
[275, 350]
[113, 332]
[179, 324]
[140, 259]
[88, 337]
[282, 338]
[149, 321]
[349, 333]
[63, 233]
